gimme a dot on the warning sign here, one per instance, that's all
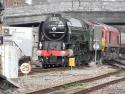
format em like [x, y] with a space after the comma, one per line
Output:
[71, 61]
[25, 68]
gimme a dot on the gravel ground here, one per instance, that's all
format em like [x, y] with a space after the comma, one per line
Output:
[5, 91]
[46, 80]
[118, 88]
[72, 88]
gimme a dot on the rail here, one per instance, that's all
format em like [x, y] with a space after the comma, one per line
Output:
[50, 90]
[100, 78]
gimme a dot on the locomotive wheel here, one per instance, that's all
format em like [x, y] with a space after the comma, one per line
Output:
[43, 65]
[53, 65]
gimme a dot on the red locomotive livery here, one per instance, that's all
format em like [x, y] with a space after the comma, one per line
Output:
[111, 35]
[53, 53]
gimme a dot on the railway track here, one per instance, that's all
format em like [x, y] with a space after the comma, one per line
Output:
[100, 86]
[41, 70]
[49, 90]
[120, 64]
[117, 64]
[55, 90]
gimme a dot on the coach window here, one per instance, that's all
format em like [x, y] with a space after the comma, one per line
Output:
[102, 34]
[117, 39]
[110, 36]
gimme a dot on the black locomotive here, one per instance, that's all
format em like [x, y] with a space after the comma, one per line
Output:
[53, 36]
[60, 39]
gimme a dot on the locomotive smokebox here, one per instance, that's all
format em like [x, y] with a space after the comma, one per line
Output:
[54, 27]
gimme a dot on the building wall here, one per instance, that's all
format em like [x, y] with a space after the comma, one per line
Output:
[14, 3]
[11, 3]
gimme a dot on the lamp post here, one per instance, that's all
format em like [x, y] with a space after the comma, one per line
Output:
[96, 47]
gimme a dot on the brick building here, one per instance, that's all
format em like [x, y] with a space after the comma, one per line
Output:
[14, 3]
[19, 3]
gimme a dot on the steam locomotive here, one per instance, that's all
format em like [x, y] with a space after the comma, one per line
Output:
[61, 38]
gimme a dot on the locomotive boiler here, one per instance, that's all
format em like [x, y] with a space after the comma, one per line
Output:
[61, 38]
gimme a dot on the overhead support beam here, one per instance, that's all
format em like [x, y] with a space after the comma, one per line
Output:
[97, 10]
[105, 17]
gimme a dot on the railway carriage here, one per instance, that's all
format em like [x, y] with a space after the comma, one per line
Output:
[61, 38]
[112, 42]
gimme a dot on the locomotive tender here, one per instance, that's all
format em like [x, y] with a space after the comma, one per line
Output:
[60, 39]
